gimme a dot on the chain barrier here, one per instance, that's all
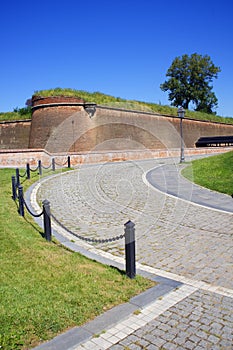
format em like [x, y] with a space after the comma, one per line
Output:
[46, 167]
[23, 174]
[22, 203]
[33, 170]
[61, 164]
[30, 212]
[129, 233]
[86, 239]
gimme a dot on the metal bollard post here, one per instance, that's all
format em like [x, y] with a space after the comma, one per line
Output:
[53, 164]
[68, 161]
[13, 183]
[39, 167]
[28, 171]
[21, 202]
[17, 177]
[47, 220]
[130, 249]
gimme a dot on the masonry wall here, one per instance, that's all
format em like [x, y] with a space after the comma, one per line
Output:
[61, 124]
[68, 128]
[19, 158]
[14, 135]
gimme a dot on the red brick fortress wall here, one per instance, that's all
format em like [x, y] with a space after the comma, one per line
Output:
[48, 114]
[61, 124]
[14, 135]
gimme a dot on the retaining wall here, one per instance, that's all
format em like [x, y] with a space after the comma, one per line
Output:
[19, 158]
[64, 126]
[61, 124]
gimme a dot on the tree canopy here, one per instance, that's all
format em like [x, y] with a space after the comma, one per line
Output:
[189, 81]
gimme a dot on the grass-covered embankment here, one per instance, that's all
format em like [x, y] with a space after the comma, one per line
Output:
[215, 172]
[111, 101]
[44, 288]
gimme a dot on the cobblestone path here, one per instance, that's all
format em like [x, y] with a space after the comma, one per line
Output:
[173, 236]
[200, 321]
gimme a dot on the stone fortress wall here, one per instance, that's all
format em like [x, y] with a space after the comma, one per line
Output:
[61, 124]
[15, 134]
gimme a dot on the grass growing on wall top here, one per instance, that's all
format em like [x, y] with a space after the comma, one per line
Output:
[12, 116]
[108, 100]
[117, 102]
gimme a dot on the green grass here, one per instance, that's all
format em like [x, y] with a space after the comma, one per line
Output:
[111, 101]
[215, 173]
[12, 116]
[108, 100]
[44, 288]
[17, 114]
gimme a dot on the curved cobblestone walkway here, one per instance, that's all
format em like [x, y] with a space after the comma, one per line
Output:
[173, 236]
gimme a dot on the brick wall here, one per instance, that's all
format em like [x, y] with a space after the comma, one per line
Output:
[15, 134]
[19, 158]
[61, 124]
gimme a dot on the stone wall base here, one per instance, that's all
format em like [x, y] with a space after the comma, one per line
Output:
[19, 158]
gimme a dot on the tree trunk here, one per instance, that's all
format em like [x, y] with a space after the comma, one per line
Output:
[186, 104]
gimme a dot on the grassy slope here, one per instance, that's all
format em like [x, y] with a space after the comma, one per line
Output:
[44, 288]
[215, 173]
[107, 100]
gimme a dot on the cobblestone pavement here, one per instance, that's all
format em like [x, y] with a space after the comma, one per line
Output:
[200, 321]
[173, 236]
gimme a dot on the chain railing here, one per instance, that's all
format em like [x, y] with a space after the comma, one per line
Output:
[66, 162]
[129, 235]
[129, 230]
[39, 169]
[17, 193]
[87, 239]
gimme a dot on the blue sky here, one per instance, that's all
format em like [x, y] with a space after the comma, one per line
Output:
[122, 48]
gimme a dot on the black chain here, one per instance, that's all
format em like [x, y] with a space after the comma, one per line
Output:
[61, 164]
[46, 167]
[23, 174]
[34, 169]
[92, 240]
[30, 212]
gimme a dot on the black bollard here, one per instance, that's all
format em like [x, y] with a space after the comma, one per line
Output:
[28, 171]
[13, 183]
[21, 201]
[68, 161]
[17, 177]
[53, 164]
[130, 249]
[39, 167]
[47, 220]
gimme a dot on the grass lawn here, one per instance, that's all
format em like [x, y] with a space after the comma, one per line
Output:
[215, 173]
[46, 289]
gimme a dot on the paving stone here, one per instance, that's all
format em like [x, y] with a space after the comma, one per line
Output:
[190, 345]
[172, 235]
[94, 197]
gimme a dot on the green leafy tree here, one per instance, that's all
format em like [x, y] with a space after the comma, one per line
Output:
[189, 81]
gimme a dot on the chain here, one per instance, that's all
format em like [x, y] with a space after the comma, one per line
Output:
[30, 212]
[92, 240]
[34, 169]
[46, 167]
[23, 174]
[61, 164]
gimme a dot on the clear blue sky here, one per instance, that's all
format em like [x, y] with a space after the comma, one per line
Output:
[122, 48]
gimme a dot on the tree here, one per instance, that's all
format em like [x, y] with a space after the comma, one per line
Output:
[189, 81]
